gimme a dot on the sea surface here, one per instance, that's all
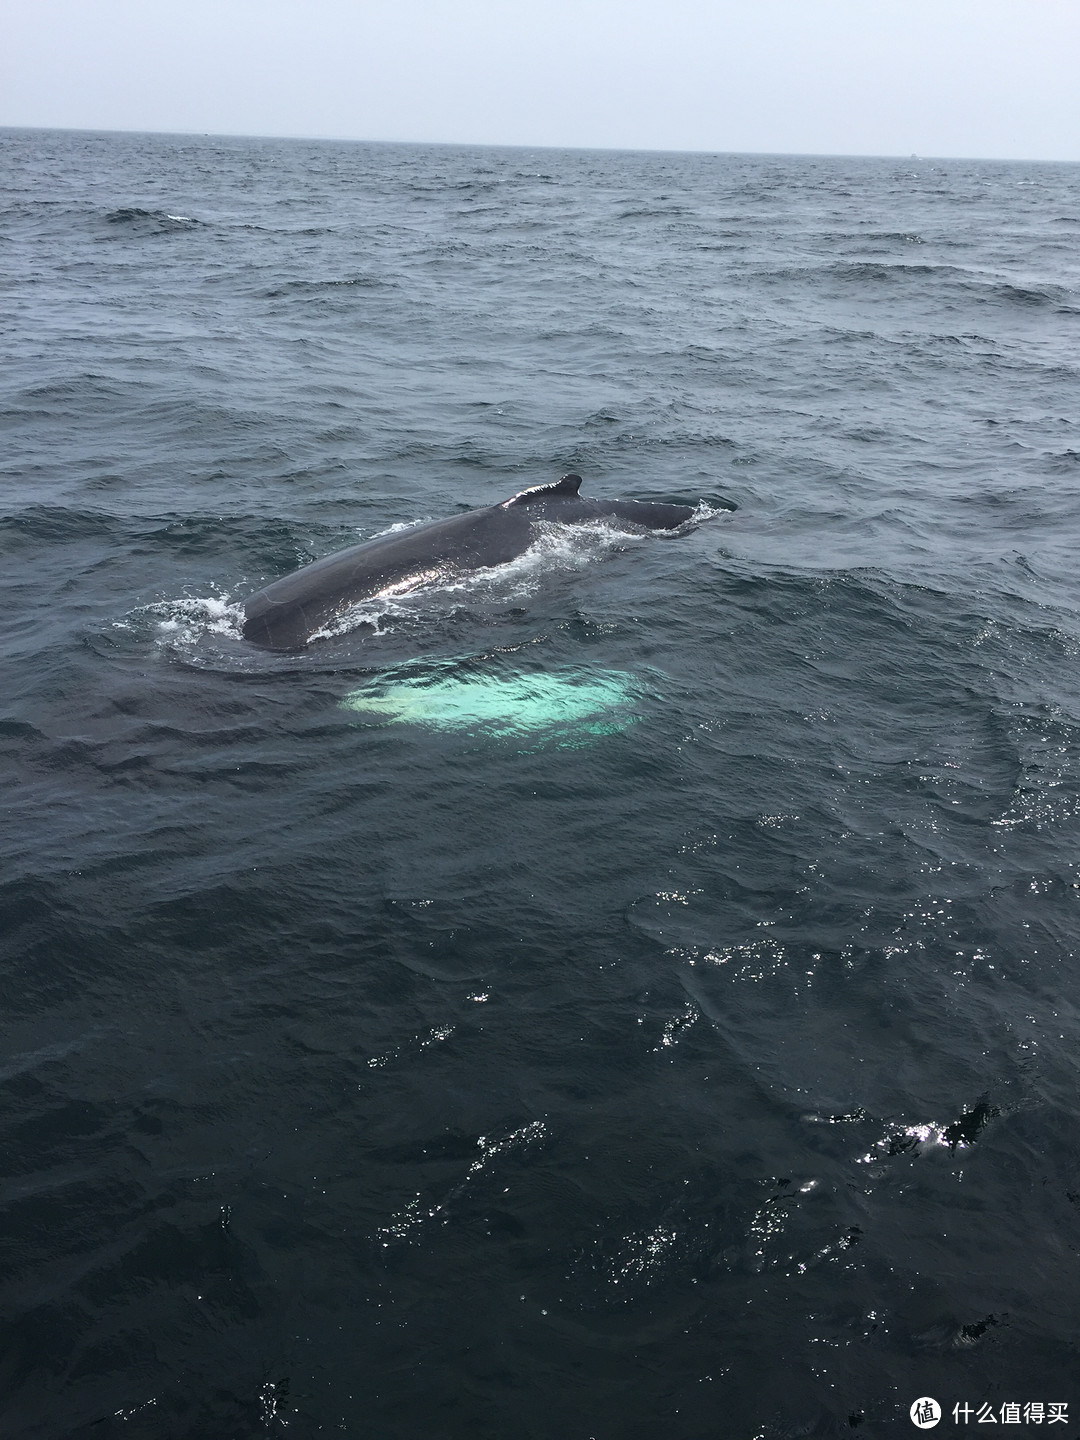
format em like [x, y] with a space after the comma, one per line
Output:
[631, 993]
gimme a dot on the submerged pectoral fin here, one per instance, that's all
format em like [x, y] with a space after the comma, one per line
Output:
[449, 696]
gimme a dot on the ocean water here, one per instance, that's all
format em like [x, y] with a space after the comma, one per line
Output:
[631, 993]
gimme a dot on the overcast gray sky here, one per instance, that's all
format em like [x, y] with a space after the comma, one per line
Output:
[882, 77]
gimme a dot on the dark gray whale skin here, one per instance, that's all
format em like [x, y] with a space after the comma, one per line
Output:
[286, 614]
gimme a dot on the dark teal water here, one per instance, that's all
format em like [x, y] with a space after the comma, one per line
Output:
[705, 1068]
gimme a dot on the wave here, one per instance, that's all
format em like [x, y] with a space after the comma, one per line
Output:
[315, 287]
[58, 523]
[146, 222]
[981, 288]
[60, 218]
[645, 212]
[181, 623]
[1063, 462]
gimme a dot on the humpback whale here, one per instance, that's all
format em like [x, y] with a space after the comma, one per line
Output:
[287, 613]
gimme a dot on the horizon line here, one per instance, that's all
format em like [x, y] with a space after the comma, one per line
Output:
[525, 145]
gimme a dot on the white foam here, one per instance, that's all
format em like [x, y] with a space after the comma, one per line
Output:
[378, 612]
[555, 548]
[397, 528]
[704, 511]
[183, 621]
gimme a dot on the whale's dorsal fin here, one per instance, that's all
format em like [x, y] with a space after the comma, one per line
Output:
[568, 485]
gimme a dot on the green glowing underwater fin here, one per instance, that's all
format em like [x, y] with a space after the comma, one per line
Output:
[447, 698]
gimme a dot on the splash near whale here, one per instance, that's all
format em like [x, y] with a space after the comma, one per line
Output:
[288, 613]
